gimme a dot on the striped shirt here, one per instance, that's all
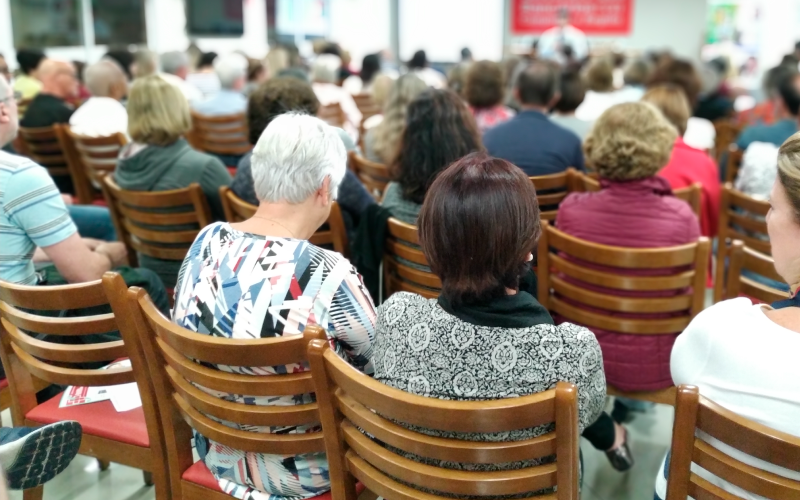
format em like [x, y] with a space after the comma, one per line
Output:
[32, 214]
[244, 286]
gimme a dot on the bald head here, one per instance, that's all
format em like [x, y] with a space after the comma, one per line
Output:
[537, 85]
[105, 79]
[58, 78]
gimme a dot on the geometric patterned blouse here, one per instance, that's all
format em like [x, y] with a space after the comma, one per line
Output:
[240, 285]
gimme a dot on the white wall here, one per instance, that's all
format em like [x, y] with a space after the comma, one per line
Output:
[361, 26]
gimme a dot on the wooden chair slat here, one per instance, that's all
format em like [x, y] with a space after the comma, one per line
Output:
[700, 489]
[548, 182]
[609, 280]
[735, 158]
[414, 276]
[375, 176]
[761, 292]
[235, 208]
[580, 316]
[156, 219]
[72, 376]
[399, 276]
[754, 243]
[747, 223]
[548, 215]
[224, 135]
[403, 231]
[440, 448]
[744, 202]
[242, 413]
[64, 353]
[54, 298]
[332, 114]
[742, 258]
[157, 252]
[615, 303]
[155, 199]
[397, 285]
[404, 251]
[159, 236]
[691, 195]
[551, 199]
[69, 326]
[761, 264]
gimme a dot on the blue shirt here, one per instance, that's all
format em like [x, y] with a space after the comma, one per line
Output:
[224, 102]
[775, 134]
[32, 214]
[535, 144]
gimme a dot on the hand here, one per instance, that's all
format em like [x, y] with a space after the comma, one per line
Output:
[115, 251]
[92, 243]
[67, 199]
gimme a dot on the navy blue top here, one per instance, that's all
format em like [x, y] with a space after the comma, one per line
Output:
[535, 144]
[775, 134]
[793, 302]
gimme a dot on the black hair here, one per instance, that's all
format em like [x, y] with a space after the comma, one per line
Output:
[573, 91]
[206, 59]
[420, 60]
[370, 66]
[29, 59]
[124, 58]
[789, 92]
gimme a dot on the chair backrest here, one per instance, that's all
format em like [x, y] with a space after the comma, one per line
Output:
[743, 218]
[332, 234]
[565, 260]
[221, 135]
[694, 412]
[402, 248]
[551, 191]
[375, 176]
[692, 195]
[42, 145]
[145, 221]
[22, 106]
[350, 401]
[734, 163]
[742, 258]
[332, 114]
[726, 132]
[177, 361]
[91, 158]
[367, 105]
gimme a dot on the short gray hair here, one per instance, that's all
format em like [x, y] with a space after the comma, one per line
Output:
[230, 68]
[293, 156]
[325, 68]
[100, 76]
[172, 62]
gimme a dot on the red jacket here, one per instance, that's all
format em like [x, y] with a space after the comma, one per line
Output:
[637, 214]
[687, 166]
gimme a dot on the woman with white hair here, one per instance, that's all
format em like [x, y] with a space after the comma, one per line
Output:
[280, 284]
[324, 73]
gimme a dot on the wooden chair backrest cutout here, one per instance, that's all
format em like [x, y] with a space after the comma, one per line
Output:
[349, 400]
[332, 114]
[740, 218]
[374, 176]
[43, 146]
[332, 234]
[742, 258]
[402, 248]
[693, 413]
[146, 221]
[221, 135]
[178, 360]
[735, 157]
[551, 191]
[93, 158]
[692, 195]
[367, 105]
[726, 133]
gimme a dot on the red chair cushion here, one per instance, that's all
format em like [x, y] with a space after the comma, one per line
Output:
[199, 474]
[97, 419]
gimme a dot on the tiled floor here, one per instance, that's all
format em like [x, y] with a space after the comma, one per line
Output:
[649, 435]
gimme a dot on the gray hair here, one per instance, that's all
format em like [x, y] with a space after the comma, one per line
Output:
[325, 68]
[293, 156]
[100, 76]
[172, 62]
[230, 68]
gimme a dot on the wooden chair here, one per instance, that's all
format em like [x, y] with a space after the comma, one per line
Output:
[551, 191]
[563, 256]
[693, 195]
[349, 401]
[90, 158]
[332, 234]
[740, 218]
[176, 359]
[43, 146]
[130, 438]
[375, 176]
[367, 105]
[143, 230]
[726, 133]
[332, 114]
[402, 244]
[694, 412]
[735, 157]
[220, 135]
[22, 106]
[742, 258]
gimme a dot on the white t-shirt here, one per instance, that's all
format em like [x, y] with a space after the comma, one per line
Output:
[191, 92]
[99, 117]
[746, 363]
[595, 104]
[700, 133]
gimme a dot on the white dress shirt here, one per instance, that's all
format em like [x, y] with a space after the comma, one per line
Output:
[555, 39]
[191, 92]
[99, 117]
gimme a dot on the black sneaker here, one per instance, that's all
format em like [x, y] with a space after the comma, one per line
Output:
[32, 456]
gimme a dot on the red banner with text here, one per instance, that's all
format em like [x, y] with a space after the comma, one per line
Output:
[593, 17]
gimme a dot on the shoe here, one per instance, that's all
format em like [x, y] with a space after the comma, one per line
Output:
[621, 458]
[32, 456]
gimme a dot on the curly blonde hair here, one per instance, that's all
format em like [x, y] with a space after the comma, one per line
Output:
[630, 141]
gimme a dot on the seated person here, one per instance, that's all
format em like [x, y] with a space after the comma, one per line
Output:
[298, 165]
[635, 208]
[204, 78]
[771, 109]
[742, 355]
[160, 159]
[272, 99]
[175, 69]
[778, 132]
[687, 165]
[486, 335]
[572, 93]
[324, 75]
[231, 69]
[102, 114]
[381, 142]
[530, 140]
[484, 91]
[27, 84]
[600, 94]
[59, 84]
[439, 130]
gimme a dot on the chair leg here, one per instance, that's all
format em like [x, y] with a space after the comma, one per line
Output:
[33, 493]
[103, 464]
[148, 478]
